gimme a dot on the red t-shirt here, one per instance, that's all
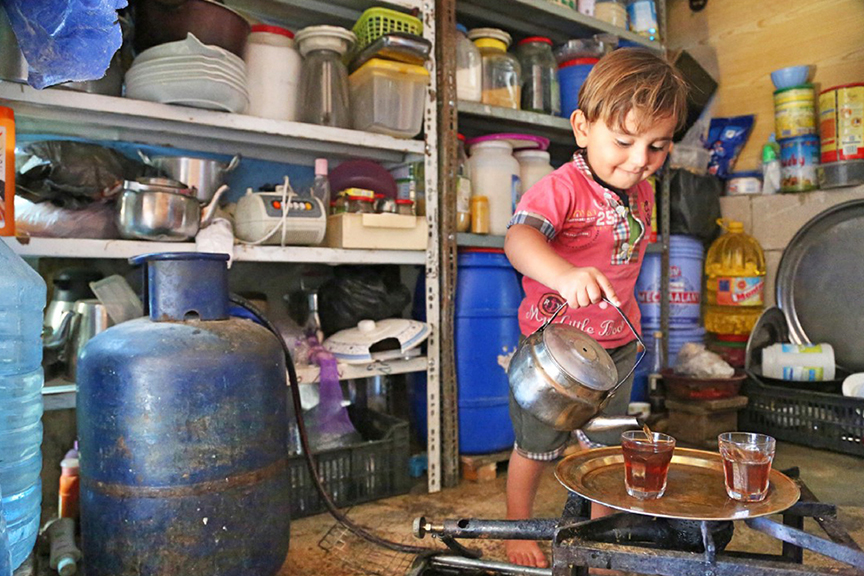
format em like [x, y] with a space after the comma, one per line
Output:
[587, 225]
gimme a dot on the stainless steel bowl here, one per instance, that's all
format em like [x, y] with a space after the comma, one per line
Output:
[160, 216]
[204, 175]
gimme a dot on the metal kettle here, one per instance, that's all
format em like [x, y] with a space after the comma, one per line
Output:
[564, 378]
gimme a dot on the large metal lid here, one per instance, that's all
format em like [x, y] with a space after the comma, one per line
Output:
[580, 357]
[820, 283]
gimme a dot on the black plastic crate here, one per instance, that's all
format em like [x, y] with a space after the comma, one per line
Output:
[369, 470]
[815, 419]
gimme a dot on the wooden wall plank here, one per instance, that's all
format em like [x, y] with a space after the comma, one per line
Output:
[741, 41]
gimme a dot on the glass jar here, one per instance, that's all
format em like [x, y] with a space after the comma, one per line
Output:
[502, 73]
[611, 11]
[360, 205]
[463, 188]
[469, 68]
[480, 216]
[384, 205]
[540, 92]
[405, 207]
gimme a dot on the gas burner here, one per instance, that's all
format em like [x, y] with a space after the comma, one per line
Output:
[648, 545]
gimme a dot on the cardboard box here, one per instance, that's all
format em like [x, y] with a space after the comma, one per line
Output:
[376, 232]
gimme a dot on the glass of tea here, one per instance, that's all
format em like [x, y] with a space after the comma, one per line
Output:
[746, 463]
[646, 463]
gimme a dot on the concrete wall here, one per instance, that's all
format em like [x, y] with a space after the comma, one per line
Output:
[774, 219]
[741, 41]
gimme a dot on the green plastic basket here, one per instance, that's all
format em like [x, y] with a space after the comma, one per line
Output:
[376, 22]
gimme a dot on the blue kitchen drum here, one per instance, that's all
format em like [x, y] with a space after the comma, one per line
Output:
[488, 295]
[182, 422]
[686, 255]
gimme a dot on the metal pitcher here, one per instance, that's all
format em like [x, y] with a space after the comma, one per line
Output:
[564, 377]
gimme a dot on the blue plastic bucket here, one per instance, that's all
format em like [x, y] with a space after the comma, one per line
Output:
[487, 333]
[686, 256]
[571, 76]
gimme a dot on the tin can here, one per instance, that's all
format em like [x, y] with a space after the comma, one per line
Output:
[795, 111]
[799, 158]
[740, 183]
[841, 122]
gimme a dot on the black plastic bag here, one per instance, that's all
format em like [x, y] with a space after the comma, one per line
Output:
[71, 174]
[359, 293]
[695, 205]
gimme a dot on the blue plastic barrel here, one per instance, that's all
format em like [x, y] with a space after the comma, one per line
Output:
[686, 256]
[22, 300]
[182, 424]
[571, 76]
[488, 295]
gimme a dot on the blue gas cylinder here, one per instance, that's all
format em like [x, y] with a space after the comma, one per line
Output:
[182, 422]
[22, 299]
[487, 333]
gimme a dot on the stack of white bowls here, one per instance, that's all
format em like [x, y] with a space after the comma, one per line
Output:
[189, 73]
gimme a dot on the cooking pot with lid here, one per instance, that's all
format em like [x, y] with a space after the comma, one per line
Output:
[564, 377]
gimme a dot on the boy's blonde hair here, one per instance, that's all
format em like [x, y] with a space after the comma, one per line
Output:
[633, 79]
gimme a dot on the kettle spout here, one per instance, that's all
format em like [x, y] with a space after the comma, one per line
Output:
[612, 423]
[209, 210]
[57, 340]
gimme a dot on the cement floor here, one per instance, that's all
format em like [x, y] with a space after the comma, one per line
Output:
[320, 546]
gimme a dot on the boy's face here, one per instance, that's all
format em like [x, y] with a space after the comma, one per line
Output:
[623, 158]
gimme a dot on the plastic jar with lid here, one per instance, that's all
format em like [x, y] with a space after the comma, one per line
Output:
[540, 92]
[533, 166]
[405, 207]
[495, 174]
[272, 72]
[502, 73]
[463, 188]
[469, 67]
[360, 205]
[611, 11]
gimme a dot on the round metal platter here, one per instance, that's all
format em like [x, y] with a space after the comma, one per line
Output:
[695, 488]
[820, 283]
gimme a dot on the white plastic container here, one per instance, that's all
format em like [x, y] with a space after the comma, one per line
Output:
[533, 166]
[387, 97]
[273, 72]
[800, 362]
[495, 174]
[469, 68]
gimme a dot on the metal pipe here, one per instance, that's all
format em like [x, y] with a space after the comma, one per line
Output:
[530, 529]
[496, 567]
[804, 540]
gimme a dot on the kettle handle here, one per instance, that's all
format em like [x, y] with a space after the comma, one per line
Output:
[638, 339]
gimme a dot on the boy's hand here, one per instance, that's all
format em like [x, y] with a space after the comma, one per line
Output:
[584, 286]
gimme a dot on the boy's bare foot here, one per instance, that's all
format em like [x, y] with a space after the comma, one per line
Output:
[525, 553]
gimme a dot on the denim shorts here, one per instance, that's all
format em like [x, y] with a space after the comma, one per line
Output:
[539, 441]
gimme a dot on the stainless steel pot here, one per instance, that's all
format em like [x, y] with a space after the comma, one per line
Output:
[200, 173]
[162, 210]
[564, 378]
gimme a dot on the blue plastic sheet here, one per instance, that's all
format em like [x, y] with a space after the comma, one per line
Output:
[66, 40]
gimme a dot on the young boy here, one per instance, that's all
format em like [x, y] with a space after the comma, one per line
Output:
[579, 235]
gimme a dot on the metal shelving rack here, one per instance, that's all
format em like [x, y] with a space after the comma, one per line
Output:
[110, 118]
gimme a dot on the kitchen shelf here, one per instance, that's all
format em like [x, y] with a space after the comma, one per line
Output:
[479, 240]
[78, 114]
[524, 18]
[122, 249]
[297, 14]
[61, 394]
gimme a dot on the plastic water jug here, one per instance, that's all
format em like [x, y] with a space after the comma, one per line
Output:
[5, 552]
[735, 281]
[22, 300]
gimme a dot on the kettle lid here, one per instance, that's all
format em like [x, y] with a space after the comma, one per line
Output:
[580, 357]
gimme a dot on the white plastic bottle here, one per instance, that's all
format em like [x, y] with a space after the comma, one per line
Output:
[495, 174]
[469, 68]
[273, 72]
[533, 166]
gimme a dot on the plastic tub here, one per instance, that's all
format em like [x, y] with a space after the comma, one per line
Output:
[686, 255]
[387, 97]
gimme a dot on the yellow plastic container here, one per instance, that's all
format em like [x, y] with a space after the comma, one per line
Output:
[387, 97]
[735, 281]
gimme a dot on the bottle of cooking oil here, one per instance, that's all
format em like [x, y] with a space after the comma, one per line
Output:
[735, 281]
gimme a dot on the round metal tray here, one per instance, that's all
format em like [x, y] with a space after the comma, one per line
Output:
[820, 282]
[695, 488]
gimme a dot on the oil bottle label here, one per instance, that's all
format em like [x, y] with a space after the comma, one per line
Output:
[740, 291]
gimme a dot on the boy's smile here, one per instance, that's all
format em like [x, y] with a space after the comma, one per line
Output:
[623, 158]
